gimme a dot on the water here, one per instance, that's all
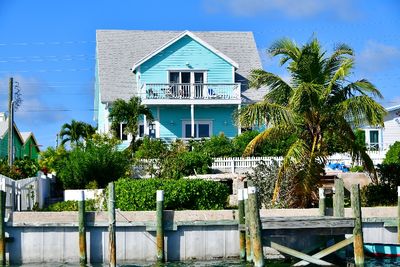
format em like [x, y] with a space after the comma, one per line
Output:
[370, 262]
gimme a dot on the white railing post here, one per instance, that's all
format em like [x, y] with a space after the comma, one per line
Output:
[232, 165]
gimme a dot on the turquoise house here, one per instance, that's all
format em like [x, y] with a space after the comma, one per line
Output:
[192, 81]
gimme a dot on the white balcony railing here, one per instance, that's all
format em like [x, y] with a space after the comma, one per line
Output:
[229, 91]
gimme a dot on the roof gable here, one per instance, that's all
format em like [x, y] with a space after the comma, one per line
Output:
[176, 39]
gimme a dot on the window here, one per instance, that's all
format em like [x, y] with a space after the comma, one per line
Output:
[141, 130]
[122, 135]
[201, 129]
[374, 139]
[186, 79]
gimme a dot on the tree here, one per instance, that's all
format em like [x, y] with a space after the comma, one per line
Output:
[75, 131]
[318, 101]
[128, 112]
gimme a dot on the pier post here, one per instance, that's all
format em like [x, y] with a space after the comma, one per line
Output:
[242, 231]
[255, 228]
[338, 201]
[322, 205]
[357, 231]
[398, 214]
[111, 226]
[2, 225]
[82, 230]
[249, 252]
[160, 226]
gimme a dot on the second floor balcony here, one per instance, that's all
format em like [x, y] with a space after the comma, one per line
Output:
[190, 93]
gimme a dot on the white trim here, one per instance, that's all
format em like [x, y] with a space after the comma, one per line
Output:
[393, 108]
[180, 36]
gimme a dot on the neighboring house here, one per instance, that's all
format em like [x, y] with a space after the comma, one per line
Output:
[25, 144]
[30, 147]
[378, 138]
[192, 81]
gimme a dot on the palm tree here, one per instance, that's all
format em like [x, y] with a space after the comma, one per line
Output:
[75, 131]
[128, 112]
[317, 105]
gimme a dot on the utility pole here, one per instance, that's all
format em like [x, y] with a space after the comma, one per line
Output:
[10, 122]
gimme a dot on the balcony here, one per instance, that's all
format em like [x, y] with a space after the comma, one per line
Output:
[190, 93]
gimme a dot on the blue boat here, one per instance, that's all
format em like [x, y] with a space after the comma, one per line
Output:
[382, 250]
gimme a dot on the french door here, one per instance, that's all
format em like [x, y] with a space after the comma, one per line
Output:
[189, 84]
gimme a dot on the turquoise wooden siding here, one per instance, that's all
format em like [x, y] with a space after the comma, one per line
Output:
[171, 119]
[177, 55]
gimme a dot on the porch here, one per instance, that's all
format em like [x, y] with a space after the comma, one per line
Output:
[185, 93]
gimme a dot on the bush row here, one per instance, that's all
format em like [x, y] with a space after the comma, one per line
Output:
[194, 194]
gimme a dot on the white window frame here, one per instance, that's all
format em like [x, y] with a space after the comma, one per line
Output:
[196, 125]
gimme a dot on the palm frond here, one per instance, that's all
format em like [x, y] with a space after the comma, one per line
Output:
[285, 47]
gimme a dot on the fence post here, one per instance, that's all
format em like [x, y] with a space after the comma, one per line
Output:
[322, 203]
[160, 226]
[338, 201]
[249, 252]
[111, 225]
[82, 230]
[19, 201]
[242, 233]
[398, 214]
[255, 228]
[2, 225]
[232, 165]
[357, 231]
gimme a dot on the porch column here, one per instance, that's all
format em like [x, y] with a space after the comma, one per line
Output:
[192, 119]
[239, 126]
[145, 126]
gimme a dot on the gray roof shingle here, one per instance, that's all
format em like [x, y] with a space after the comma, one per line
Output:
[118, 50]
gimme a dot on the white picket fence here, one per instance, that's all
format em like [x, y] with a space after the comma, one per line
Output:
[241, 164]
[24, 194]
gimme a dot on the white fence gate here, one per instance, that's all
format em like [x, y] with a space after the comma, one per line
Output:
[25, 194]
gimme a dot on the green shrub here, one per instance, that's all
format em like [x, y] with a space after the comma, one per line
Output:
[184, 163]
[151, 149]
[378, 195]
[70, 205]
[393, 154]
[182, 194]
[357, 169]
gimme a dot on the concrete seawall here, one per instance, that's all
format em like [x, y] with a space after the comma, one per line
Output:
[53, 236]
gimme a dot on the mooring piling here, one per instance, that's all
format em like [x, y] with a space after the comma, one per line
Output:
[249, 252]
[357, 231]
[338, 199]
[242, 233]
[160, 226]
[398, 214]
[2, 225]
[111, 226]
[82, 230]
[322, 205]
[255, 228]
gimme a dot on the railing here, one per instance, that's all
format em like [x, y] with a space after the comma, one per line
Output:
[229, 91]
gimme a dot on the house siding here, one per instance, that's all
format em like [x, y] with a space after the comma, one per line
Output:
[17, 146]
[171, 119]
[391, 132]
[176, 56]
[30, 149]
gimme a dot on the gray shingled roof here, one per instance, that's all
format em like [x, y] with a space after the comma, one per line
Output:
[118, 50]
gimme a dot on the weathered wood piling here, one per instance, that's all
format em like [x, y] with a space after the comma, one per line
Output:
[242, 229]
[82, 230]
[111, 226]
[322, 203]
[249, 251]
[160, 226]
[2, 227]
[357, 231]
[338, 199]
[255, 228]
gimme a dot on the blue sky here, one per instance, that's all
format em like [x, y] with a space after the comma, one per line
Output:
[49, 46]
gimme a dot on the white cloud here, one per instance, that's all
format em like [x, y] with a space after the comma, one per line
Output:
[289, 8]
[376, 57]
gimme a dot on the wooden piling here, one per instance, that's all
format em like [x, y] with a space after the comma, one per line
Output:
[111, 226]
[242, 231]
[322, 203]
[255, 228]
[82, 230]
[249, 252]
[2, 227]
[398, 214]
[338, 200]
[357, 231]
[160, 226]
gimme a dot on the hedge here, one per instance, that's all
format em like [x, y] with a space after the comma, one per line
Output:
[182, 194]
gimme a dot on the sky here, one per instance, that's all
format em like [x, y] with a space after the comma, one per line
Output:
[49, 47]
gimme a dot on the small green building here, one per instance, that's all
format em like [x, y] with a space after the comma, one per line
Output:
[25, 144]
